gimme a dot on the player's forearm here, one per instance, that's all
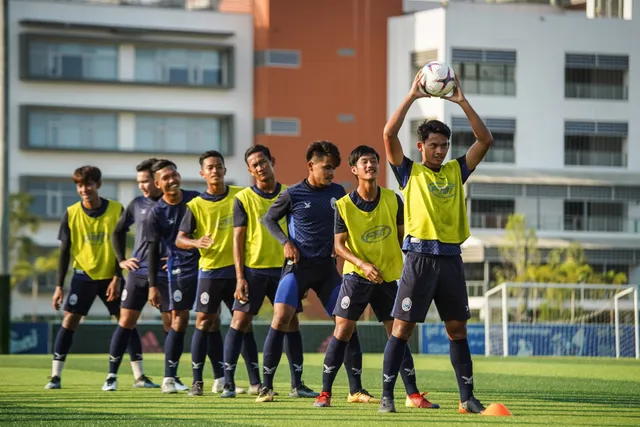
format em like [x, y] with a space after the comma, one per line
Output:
[392, 144]
[239, 243]
[480, 130]
[343, 252]
[154, 263]
[274, 229]
[185, 242]
[63, 262]
[119, 243]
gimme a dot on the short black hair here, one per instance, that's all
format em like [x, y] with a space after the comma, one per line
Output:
[210, 153]
[433, 126]
[322, 149]
[359, 151]
[257, 149]
[146, 165]
[84, 174]
[161, 164]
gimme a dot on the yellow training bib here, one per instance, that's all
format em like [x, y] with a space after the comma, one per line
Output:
[91, 248]
[373, 236]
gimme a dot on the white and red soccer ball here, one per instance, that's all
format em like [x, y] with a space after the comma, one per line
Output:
[437, 79]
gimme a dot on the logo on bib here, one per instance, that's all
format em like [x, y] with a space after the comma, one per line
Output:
[406, 304]
[124, 295]
[442, 190]
[345, 303]
[204, 298]
[225, 222]
[73, 299]
[177, 296]
[376, 234]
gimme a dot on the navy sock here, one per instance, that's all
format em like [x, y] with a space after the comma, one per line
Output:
[119, 340]
[215, 352]
[332, 362]
[408, 373]
[173, 348]
[135, 346]
[250, 356]
[393, 355]
[296, 359]
[461, 361]
[61, 347]
[198, 353]
[232, 348]
[272, 353]
[353, 363]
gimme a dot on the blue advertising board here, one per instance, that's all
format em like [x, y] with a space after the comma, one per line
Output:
[540, 339]
[29, 338]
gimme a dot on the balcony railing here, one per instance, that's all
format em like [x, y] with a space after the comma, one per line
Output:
[595, 91]
[595, 158]
[494, 155]
[579, 223]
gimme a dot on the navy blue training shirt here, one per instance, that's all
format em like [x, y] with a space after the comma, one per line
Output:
[310, 215]
[164, 224]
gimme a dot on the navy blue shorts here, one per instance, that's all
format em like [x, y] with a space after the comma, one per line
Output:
[427, 278]
[136, 292]
[182, 291]
[211, 292]
[357, 292]
[84, 290]
[260, 286]
[320, 275]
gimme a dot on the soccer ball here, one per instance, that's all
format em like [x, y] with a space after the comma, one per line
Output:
[437, 79]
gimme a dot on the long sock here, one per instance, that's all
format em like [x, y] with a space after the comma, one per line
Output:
[461, 361]
[215, 352]
[295, 356]
[198, 353]
[393, 355]
[271, 355]
[135, 354]
[119, 341]
[232, 348]
[332, 362]
[61, 348]
[408, 373]
[250, 356]
[173, 348]
[353, 363]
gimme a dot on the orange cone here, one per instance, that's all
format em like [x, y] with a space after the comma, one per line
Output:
[497, 410]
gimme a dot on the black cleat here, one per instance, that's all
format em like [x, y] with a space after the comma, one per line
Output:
[387, 405]
[471, 406]
[196, 389]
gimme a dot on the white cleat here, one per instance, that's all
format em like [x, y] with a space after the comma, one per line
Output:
[179, 385]
[145, 382]
[53, 384]
[111, 384]
[253, 390]
[169, 385]
[218, 385]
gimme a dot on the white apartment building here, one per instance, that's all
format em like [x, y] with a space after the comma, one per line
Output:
[561, 94]
[110, 83]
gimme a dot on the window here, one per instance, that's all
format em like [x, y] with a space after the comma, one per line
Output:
[277, 126]
[278, 58]
[188, 67]
[595, 144]
[594, 216]
[72, 130]
[52, 196]
[503, 130]
[609, 8]
[182, 134]
[72, 61]
[596, 76]
[486, 72]
[487, 213]
[420, 59]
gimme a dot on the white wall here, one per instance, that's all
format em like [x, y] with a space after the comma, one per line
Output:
[237, 101]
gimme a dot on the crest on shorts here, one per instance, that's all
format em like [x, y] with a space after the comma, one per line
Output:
[73, 299]
[177, 296]
[406, 304]
[124, 295]
[204, 298]
[345, 303]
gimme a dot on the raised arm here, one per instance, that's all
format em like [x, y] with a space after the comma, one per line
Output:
[484, 139]
[392, 145]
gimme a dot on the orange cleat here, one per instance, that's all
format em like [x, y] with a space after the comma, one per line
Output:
[418, 400]
[323, 400]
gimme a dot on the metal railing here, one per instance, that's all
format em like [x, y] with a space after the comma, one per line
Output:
[595, 91]
[604, 224]
[595, 158]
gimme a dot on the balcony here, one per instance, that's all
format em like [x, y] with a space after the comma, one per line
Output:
[594, 158]
[577, 223]
[596, 91]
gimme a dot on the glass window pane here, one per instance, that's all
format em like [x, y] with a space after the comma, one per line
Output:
[73, 61]
[178, 66]
[73, 130]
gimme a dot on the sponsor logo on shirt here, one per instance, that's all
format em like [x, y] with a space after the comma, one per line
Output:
[376, 234]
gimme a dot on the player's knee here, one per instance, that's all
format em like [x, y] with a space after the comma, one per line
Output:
[204, 323]
[71, 321]
[344, 330]
[127, 319]
[456, 330]
[294, 325]
[403, 330]
[214, 323]
[241, 322]
[179, 323]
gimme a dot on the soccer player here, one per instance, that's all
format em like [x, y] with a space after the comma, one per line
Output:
[258, 262]
[308, 248]
[136, 289]
[182, 265]
[435, 226]
[85, 234]
[207, 226]
[368, 232]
